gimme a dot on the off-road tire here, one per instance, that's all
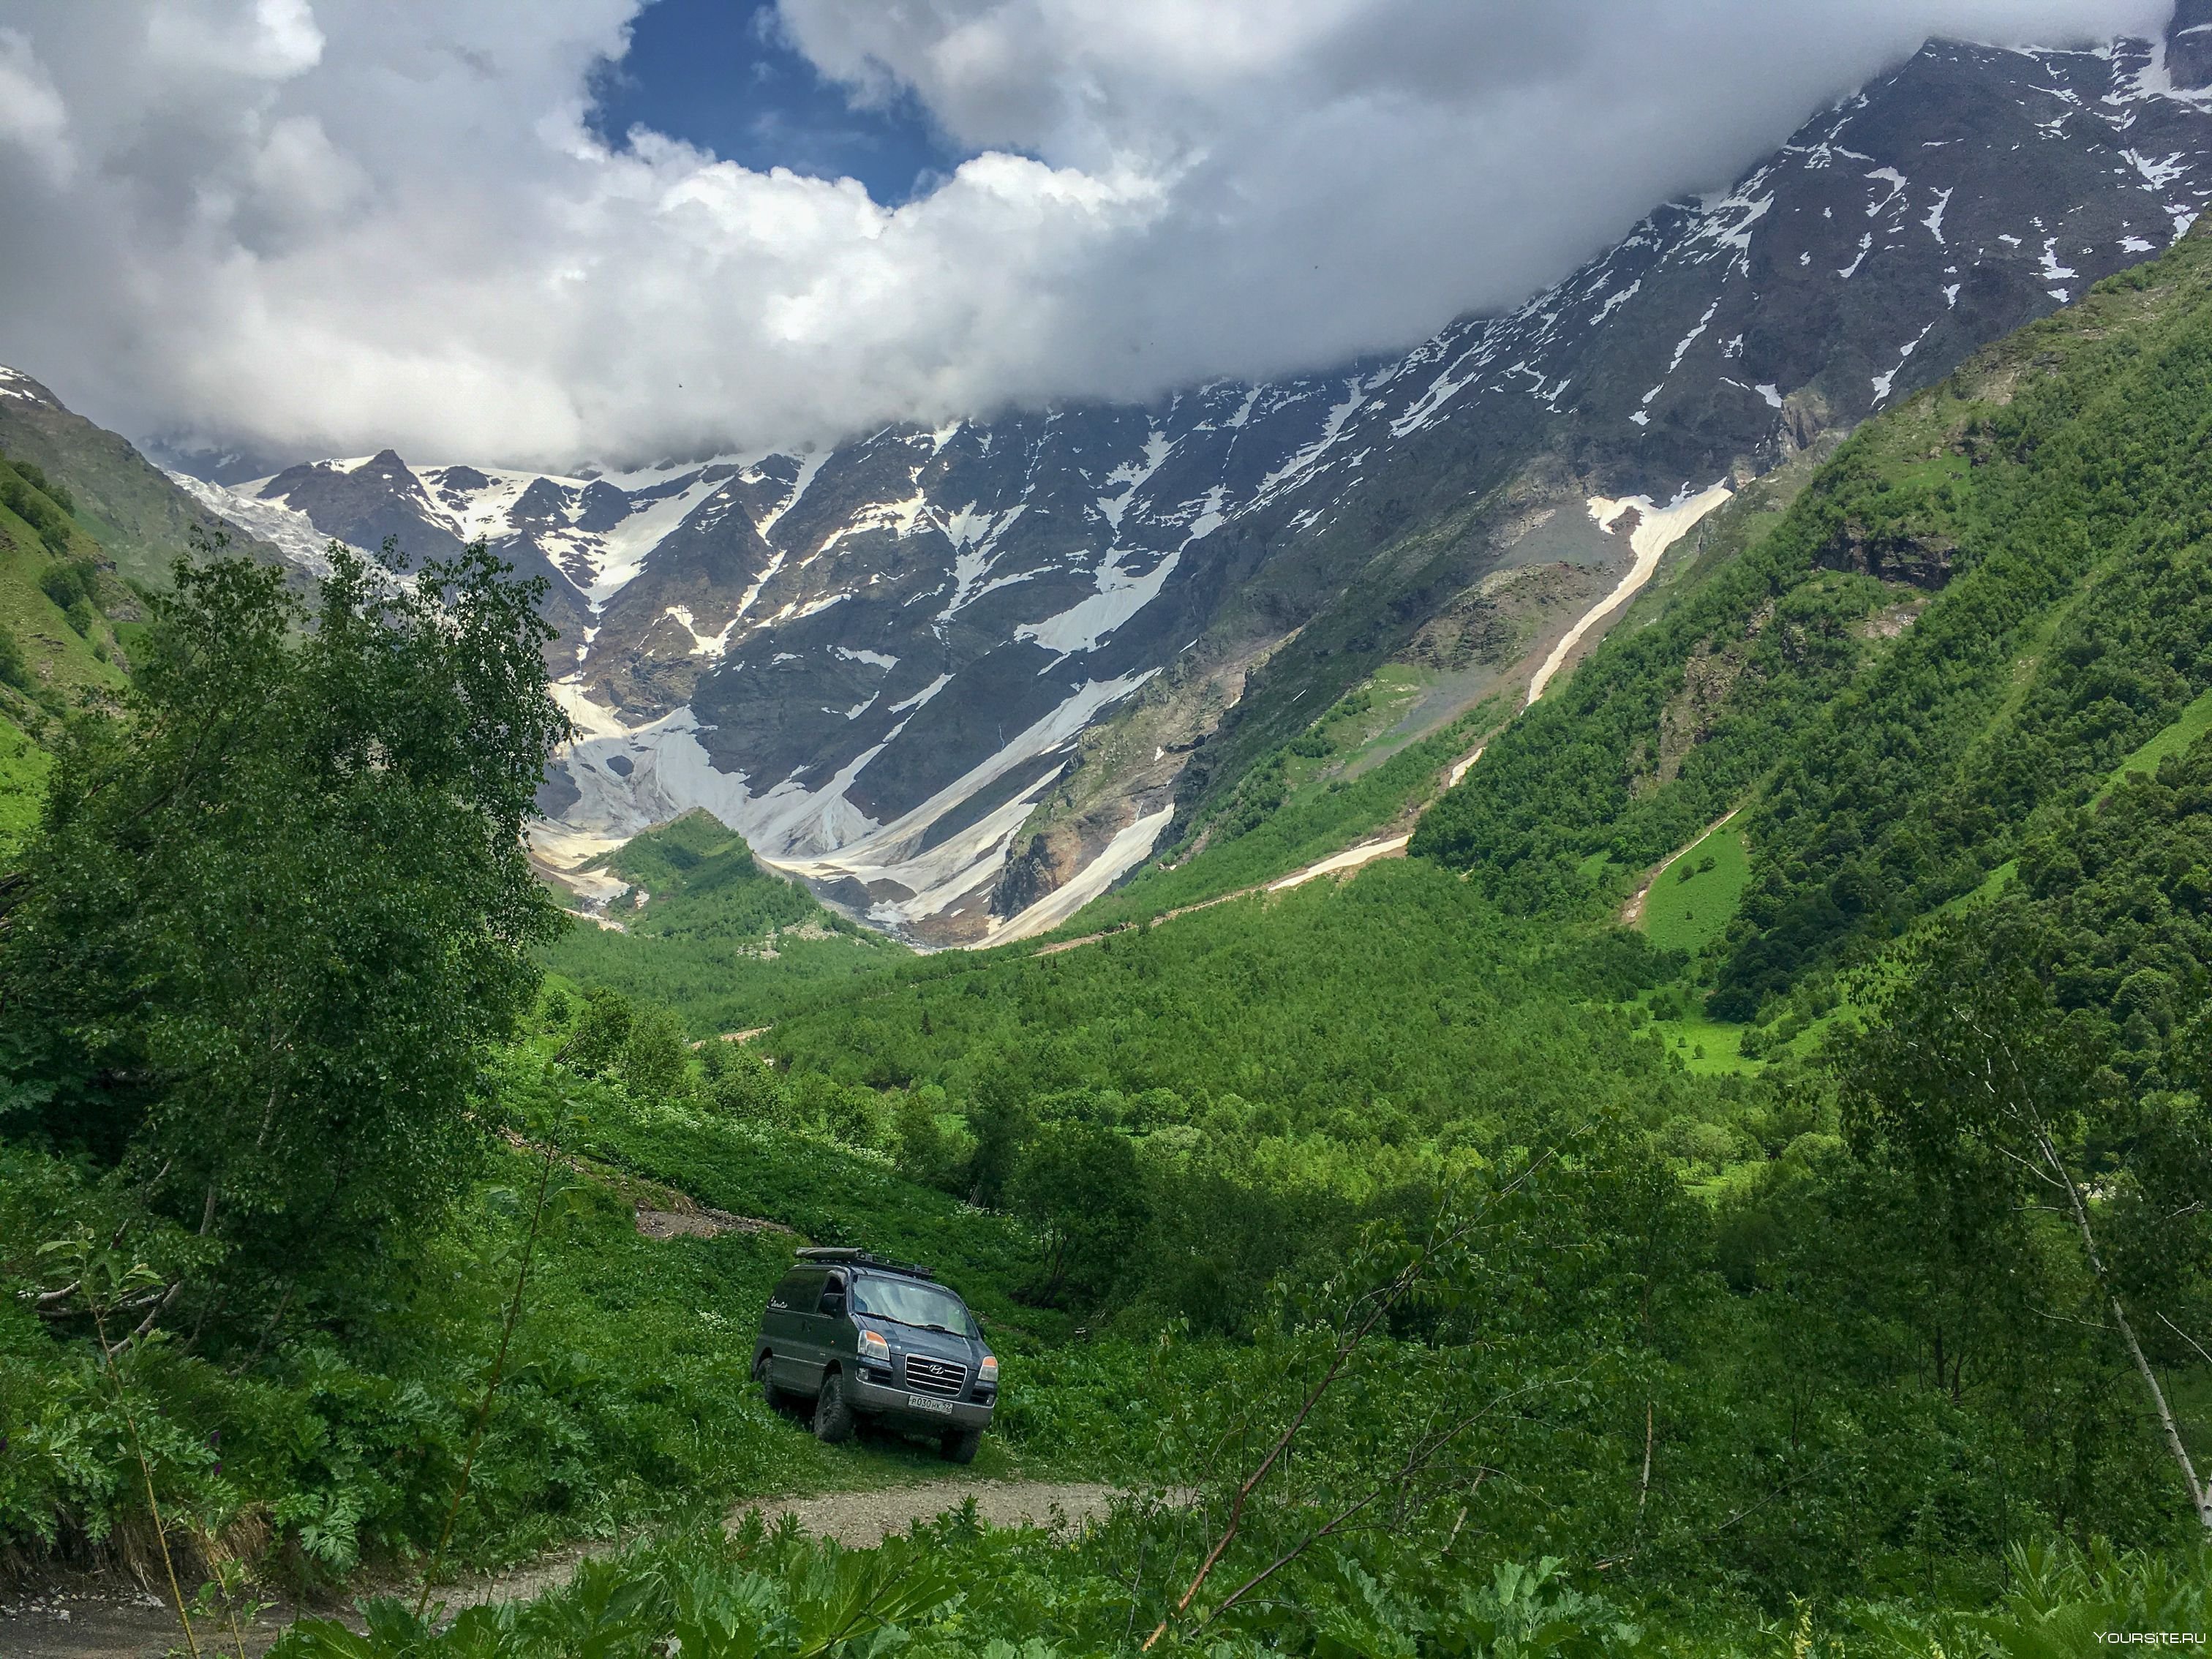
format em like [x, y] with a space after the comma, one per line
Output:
[775, 1397]
[832, 1418]
[959, 1446]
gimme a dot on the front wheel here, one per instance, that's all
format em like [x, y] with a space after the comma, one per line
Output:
[959, 1446]
[832, 1418]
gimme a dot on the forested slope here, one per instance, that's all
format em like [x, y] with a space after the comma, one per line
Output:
[1987, 600]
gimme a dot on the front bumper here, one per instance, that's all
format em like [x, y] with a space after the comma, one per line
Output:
[889, 1402]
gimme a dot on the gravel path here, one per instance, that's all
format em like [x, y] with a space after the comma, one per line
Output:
[104, 1617]
[867, 1517]
[861, 1518]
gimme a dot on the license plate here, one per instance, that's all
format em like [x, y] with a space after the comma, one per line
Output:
[922, 1402]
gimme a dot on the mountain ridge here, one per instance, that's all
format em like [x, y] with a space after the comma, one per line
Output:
[1926, 673]
[898, 664]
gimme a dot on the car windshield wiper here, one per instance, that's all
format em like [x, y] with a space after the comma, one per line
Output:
[911, 1324]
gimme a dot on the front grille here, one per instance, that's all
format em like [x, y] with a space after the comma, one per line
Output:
[927, 1376]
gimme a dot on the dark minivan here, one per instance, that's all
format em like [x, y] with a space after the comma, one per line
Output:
[862, 1337]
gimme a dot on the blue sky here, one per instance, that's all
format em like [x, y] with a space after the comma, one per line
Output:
[720, 75]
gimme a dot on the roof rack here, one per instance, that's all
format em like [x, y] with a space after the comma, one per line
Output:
[863, 1259]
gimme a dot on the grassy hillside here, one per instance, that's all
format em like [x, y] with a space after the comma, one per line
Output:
[140, 520]
[1350, 773]
[60, 601]
[86, 523]
[65, 619]
[2193, 723]
[23, 767]
[1693, 899]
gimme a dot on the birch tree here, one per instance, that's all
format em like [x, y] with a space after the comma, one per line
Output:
[1971, 1076]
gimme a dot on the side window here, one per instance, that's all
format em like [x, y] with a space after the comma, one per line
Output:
[833, 1296]
[795, 1291]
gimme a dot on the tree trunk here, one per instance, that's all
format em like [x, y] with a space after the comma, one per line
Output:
[2199, 1498]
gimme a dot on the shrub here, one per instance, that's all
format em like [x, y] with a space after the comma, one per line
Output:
[655, 1063]
[742, 1085]
[15, 669]
[595, 1047]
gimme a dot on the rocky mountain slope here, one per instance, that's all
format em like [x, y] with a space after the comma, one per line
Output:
[947, 675]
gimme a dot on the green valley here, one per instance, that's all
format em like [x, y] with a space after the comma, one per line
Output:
[1736, 1186]
[699, 927]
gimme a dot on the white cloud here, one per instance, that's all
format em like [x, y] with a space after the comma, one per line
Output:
[267, 39]
[324, 228]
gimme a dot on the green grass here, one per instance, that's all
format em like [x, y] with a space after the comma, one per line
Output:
[1993, 883]
[706, 1295]
[23, 768]
[1363, 729]
[1688, 914]
[1396, 690]
[826, 1191]
[1706, 1048]
[1943, 469]
[64, 664]
[649, 1343]
[683, 1312]
[2192, 724]
[140, 518]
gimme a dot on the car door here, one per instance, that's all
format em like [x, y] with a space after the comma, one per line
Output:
[790, 1312]
[825, 1322]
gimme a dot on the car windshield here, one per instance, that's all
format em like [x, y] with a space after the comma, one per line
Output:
[911, 1302]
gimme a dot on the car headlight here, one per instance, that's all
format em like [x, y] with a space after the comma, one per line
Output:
[873, 1346]
[988, 1371]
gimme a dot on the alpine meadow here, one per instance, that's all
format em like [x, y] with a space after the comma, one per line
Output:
[1522, 1017]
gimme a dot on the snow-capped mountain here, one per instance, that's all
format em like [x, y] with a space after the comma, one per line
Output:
[878, 662]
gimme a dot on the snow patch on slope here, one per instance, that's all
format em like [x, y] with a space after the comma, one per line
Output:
[1657, 529]
[1129, 848]
[289, 532]
[1119, 597]
[621, 551]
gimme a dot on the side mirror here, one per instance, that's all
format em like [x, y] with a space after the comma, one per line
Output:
[833, 1305]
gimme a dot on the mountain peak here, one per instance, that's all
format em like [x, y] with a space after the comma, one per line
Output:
[14, 383]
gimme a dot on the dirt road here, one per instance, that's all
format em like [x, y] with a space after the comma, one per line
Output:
[105, 1617]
